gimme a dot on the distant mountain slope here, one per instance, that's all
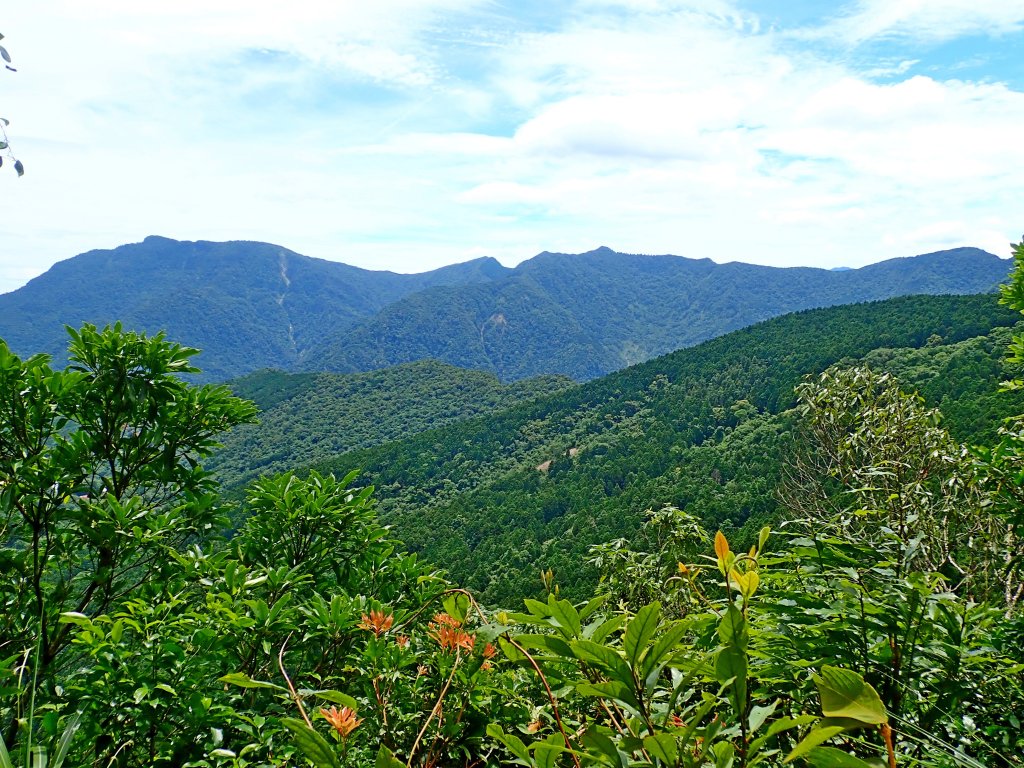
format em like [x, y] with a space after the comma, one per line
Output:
[246, 305]
[253, 305]
[311, 416]
[496, 497]
[588, 314]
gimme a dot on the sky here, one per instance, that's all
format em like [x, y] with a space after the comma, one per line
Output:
[408, 134]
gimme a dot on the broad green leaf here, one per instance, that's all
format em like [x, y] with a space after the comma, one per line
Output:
[731, 664]
[549, 643]
[512, 742]
[813, 739]
[663, 647]
[312, 744]
[759, 714]
[778, 726]
[595, 603]
[242, 680]
[597, 741]
[610, 690]
[509, 651]
[639, 632]
[725, 753]
[603, 656]
[845, 694]
[335, 697]
[537, 608]
[830, 757]
[599, 630]
[457, 606]
[663, 747]
[385, 759]
[732, 629]
[566, 615]
[546, 755]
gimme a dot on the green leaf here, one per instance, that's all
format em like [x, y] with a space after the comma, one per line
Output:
[610, 690]
[386, 759]
[549, 643]
[813, 739]
[640, 631]
[663, 647]
[759, 714]
[732, 630]
[604, 657]
[335, 697]
[509, 651]
[830, 757]
[597, 741]
[312, 744]
[546, 755]
[566, 615]
[663, 747]
[778, 726]
[595, 603]
[731, 664]
[599, 630]
[512, 742]
[845, 694]
[457, 606]
[5, 756]
[725, 753]
[242, 680]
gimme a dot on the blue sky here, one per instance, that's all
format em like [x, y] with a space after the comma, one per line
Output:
[407, 134]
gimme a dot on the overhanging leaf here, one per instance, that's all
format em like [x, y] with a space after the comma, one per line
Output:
[845, 694]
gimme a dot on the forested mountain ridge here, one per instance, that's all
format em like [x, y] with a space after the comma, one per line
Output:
[246, 305]
[254, 305]
[495, 497]
[589, 314]
[306, 417]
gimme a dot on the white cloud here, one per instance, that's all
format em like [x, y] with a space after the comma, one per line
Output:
[930, 20]
[362, 132]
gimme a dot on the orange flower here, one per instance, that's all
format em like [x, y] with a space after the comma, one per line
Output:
[451, 639]
[677, 722]
[490, 651]
[446, 620]
[535, 726]
[421, 670]
[344, 721]
[377, 622]
[403, 641]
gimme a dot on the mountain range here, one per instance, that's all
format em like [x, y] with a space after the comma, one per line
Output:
[251, 305]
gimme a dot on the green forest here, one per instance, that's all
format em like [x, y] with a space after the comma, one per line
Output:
[795, 544]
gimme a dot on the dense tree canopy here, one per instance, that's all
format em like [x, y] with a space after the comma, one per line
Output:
[880, 624]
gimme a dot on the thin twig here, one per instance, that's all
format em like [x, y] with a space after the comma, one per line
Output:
[435, 710]
[551, 698]
[295, 695]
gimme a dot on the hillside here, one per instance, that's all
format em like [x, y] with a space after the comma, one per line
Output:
[245, 305]
[312, 416]
[496, 497]
[250, 305]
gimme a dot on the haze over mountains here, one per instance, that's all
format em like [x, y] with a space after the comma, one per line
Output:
[254, 305]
